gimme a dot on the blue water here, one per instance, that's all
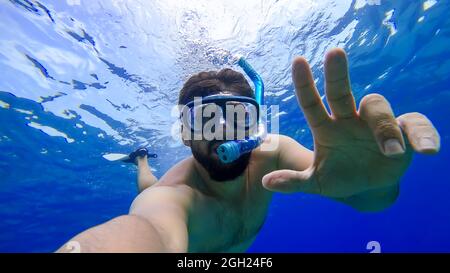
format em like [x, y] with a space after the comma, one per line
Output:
[83, 78]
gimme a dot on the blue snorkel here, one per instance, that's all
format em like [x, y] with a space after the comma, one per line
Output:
[232, 150]
[256, 79]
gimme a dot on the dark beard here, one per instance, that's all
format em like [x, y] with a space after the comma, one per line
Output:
[219, 171]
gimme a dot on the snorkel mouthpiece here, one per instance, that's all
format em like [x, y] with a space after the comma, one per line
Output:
[229, 151]
[232, 150]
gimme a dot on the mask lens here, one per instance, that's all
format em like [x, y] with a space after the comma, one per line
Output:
[237, 115]
[199, 115]
[241, 115]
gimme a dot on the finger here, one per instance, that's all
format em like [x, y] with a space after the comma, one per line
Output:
[337, 85]
[376, 111]
[422, 135]
[307, 94]
[289, 181]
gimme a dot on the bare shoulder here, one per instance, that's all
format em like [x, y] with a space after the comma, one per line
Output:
[182, 173]
[159, 195]
[270, 149]
[283, 152]
[277, 139]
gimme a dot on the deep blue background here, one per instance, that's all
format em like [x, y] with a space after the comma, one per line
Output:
[45, 200]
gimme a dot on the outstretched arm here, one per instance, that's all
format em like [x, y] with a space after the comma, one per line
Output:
[157, 222]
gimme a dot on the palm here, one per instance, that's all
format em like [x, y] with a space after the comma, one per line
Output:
[348, 159]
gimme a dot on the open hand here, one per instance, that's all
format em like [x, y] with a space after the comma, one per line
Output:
[354, 151]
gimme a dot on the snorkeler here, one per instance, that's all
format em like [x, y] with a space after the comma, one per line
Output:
[207, 204]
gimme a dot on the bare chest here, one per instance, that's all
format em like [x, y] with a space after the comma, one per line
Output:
[227, 226]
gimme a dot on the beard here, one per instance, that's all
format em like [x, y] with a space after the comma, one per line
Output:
[218, 171]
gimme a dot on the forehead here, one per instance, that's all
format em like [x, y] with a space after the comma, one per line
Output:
[225, 93]
[220, 88]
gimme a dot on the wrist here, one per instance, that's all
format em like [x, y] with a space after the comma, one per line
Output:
[374, 200]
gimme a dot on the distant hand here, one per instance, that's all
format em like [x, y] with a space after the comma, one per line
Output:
[355, 151]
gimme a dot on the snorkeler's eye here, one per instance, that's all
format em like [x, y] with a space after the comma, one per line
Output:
[241, 115]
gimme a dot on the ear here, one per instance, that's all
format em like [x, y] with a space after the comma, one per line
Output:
[186, 137]
[188, 143]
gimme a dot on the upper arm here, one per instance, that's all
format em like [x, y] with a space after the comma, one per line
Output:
[291, 155]
[166, 208]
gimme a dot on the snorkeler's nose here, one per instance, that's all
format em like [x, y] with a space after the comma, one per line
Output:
[222, 121]
[223, 127]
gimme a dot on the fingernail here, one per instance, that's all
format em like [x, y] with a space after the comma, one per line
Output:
[272, 181]
[266, 180]
[426, 144]
[393, 147]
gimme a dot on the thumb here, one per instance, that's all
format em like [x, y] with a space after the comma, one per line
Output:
[289, 181]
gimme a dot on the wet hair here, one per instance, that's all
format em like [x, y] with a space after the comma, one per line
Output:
[212, 82]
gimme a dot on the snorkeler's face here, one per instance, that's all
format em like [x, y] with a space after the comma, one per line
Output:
[204, 152]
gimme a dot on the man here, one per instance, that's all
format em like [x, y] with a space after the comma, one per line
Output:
[204, 205]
